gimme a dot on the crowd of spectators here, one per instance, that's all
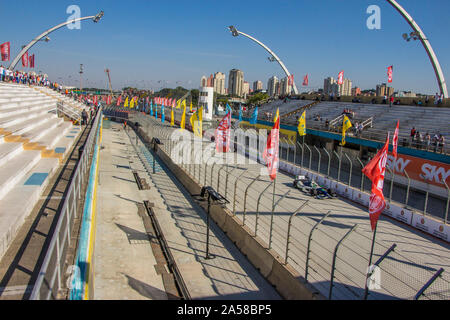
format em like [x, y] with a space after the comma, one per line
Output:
[421, 141]
[27, 78]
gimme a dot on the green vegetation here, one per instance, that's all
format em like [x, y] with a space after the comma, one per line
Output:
[257, 98]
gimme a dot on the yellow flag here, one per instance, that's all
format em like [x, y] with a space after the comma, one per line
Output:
[132, 104]
[179, 104]
[302, 125]
[191, 106]
[197, 122]
[172, 118]
[345, 126]
[126, 103]
[183, 104]
[183, 119]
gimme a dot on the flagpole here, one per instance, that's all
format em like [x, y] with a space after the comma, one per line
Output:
[366, 291]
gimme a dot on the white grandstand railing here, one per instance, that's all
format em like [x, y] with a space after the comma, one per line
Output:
[69, 112]
[52, 267]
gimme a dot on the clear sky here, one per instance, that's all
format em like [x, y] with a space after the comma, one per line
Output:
[150, 44]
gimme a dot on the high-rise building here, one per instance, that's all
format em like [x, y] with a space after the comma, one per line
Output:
[210, 82]
[236, 82]
[246, 89]
[272, 86]
[384, 90]
[257, 86]
[203, 82]
[356, 91]
[219, 83]
[285, 88]
[331, 87]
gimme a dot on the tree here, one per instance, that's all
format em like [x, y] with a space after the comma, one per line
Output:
[257, 98]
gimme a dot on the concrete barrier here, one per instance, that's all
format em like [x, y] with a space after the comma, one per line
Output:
[283, 277]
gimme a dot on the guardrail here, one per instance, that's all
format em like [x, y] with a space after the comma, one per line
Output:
[335, 267]
[52, 267]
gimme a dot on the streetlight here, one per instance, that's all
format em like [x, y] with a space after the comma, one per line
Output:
[419, 35]
[273, 56]
[44, 36]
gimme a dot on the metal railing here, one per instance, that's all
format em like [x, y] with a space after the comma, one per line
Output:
[325, 248]
[52, 267]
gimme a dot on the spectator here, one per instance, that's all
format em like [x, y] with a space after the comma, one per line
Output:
[413, 133]
[391, 101]
[84, 116]
[441, 143]
[427, 140]
[436, 98]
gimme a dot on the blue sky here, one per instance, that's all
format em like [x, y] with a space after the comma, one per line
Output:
[177, 42]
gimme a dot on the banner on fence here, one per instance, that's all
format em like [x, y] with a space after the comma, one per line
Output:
[420, 169]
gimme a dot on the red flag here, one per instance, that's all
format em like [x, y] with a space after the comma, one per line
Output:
[305, 81]
[223, 133]
[395, 140]
[31, 62]
[5, 49]
[119, 101]
[390, 71]
[271, 152]
[341, 77]
[375, 171]
[291, 80]
[25, 60]
[95, 100]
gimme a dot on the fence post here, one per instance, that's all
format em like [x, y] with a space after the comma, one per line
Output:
[298, 143]
[426, 198]
[257, 212]
[339, 170]
[448, 200]
[226, 180]
[329, 162]
[206, 168]
[295, 153]
[257, 206]
[310, 156]
[308, 250]
[218, 176]
[234, 196]
[289, 229]
[428, 284]
[334, 259]
[362, 175]
[391, 184]
[407, 188]
[320, 157]
[351, 170]
[245, 197]
[212, 170]
[371, 271]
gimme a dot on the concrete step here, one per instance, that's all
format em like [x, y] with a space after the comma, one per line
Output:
[16, 168]
[52, 136]
[18, 203]
[9, 150]
[10, 106]
[12, 118]
[29, 123]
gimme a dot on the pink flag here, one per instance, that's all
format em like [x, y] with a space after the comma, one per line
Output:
[341, 77]
[223, 133]
[395, 140]
[5, 49]
[305, 81]
[25, 60]
[271, 153]
[390, 72]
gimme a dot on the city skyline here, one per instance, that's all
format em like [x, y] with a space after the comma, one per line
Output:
[170, 56]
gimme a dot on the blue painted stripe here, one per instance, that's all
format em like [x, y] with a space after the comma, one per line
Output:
[70, 137]
[60, 150]
[79, 281]
[36, 179]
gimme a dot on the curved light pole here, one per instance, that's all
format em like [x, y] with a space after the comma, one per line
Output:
[273, 57]
[426, 44]
[38, 38]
